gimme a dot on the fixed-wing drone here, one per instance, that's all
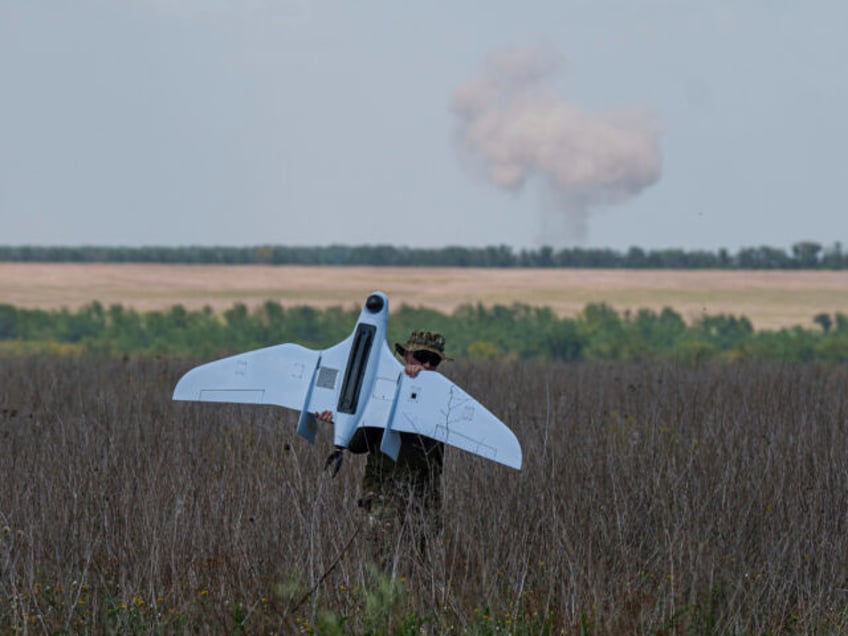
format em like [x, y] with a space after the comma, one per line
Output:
[362, 382]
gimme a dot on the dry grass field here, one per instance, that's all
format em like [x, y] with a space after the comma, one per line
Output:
[770, 299]
[653, 500]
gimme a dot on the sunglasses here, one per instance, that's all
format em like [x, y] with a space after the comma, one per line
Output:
[425, 357]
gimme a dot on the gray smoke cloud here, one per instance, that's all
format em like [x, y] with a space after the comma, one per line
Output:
[513, 126]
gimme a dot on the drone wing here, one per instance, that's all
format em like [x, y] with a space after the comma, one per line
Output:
[280, 375]
[431, 405]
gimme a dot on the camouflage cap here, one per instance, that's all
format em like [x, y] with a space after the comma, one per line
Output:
[423, 341]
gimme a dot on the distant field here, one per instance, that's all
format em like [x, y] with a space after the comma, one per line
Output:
[770, 299]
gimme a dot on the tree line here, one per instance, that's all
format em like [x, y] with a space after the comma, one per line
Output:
[518, 331]
[801, 255]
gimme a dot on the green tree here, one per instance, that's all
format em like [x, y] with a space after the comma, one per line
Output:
[806, 254]
[724, 331]
[601, 327]
[8, 322]
[823, 320]
[564, 341]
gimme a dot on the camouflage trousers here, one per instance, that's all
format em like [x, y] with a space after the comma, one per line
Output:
[401, 522]
[403, 499]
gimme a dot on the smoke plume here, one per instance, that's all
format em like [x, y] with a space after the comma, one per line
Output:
[513, 126]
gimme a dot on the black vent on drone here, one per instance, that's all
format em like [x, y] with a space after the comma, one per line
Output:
[357, 361]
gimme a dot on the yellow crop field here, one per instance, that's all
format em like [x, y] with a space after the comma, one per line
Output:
[770, 299]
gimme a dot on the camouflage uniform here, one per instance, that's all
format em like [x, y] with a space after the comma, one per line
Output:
[403, 496]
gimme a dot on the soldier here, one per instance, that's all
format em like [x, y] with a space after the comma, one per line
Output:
[402, 495]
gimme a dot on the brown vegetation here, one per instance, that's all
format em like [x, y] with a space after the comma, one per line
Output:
[770, 299]
[654, 499]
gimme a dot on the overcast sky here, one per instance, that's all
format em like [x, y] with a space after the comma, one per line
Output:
[657, 123]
